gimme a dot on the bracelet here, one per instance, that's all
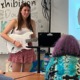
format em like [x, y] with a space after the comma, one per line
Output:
[14, 42]
[4, 72]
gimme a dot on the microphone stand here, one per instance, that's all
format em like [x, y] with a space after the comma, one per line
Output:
[49, 23]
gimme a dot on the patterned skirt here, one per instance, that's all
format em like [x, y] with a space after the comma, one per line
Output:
[23, 56]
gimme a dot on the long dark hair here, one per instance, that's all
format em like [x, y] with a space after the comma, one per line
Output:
[20, 19]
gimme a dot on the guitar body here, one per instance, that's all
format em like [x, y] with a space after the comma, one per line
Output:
[22, 39]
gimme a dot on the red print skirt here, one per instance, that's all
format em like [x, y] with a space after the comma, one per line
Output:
[23, 56]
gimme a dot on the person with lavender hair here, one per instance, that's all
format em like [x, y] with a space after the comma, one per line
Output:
[65, 61]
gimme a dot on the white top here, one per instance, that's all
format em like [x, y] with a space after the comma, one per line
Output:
[22, 31]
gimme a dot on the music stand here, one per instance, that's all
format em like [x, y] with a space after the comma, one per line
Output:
[46, 39]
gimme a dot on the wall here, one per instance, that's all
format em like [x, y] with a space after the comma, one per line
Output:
[59, 16]
[3, 61]
[65, 17]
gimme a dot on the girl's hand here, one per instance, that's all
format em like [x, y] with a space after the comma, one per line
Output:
[1, 72]
[17, 44]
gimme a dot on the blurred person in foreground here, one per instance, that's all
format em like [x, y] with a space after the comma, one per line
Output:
[3, 77]
[65, 61]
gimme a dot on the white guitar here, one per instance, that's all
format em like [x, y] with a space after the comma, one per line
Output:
[23, 39]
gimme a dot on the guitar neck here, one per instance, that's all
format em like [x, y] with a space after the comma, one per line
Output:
[31, 40]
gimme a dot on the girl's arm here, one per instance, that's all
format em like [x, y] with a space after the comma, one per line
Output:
[7, 29]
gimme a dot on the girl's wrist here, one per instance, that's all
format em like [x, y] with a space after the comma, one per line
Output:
[14, 42]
